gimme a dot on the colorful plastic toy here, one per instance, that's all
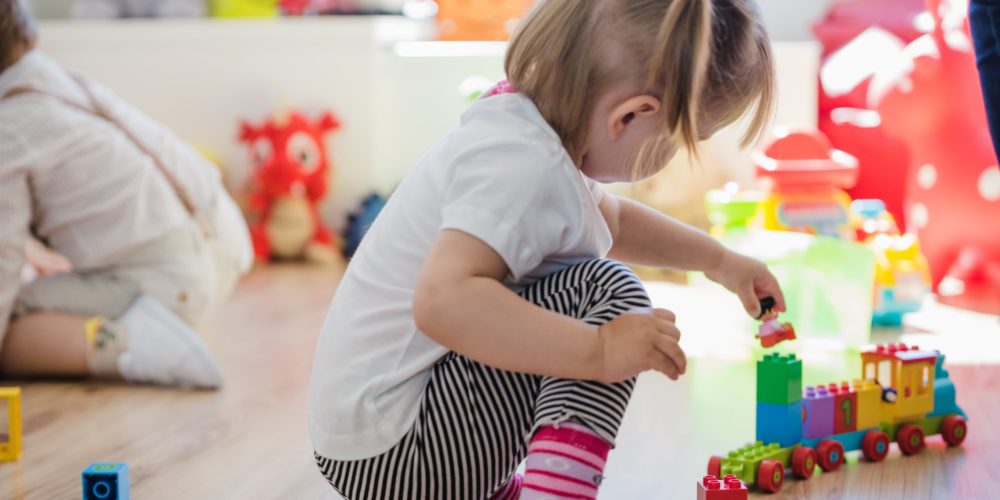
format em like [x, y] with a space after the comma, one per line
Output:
[106, 481]
[307, 7]
[11, 448]
[289, 183]
[773, 332]
[856, 38]
[904, 396]
[953, 184]
[244, 8]
[479, 19]
[360, 220]
[806, 177]
[902, 278]
[731, 208]
[726, 488]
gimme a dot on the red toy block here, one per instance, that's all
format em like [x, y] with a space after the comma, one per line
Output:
[845, 408]
[727, 488]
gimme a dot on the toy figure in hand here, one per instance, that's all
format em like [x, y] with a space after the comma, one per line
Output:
[289, 182]
[772, 331]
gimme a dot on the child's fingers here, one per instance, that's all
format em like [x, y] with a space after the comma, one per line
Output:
[668, 328]
[670, 349]
[748, 295]
[664, 365]
[665, 314]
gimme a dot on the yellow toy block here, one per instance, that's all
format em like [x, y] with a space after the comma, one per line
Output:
[869, 403]
[11, 449]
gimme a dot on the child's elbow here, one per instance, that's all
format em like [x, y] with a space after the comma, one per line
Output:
[428, 306]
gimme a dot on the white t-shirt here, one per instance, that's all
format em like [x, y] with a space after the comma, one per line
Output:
[502, 176]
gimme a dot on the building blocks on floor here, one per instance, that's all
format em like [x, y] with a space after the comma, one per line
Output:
[106, 481]
[728, 487]
[10, 449]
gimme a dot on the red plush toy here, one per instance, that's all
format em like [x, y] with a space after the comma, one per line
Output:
[288, 184]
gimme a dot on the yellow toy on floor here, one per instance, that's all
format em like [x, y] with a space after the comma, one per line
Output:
[11, 448]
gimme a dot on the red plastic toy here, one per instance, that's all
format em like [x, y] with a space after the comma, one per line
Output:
[727, 488]
[288, 184]
[845, 114]
[932, 100]
[772, 333]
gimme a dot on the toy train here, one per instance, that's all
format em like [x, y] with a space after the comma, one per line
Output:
[905, 394]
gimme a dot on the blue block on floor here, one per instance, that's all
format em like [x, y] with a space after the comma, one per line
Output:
[780, 424]
[106, 481]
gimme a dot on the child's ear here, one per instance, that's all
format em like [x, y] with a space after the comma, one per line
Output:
[627, 111]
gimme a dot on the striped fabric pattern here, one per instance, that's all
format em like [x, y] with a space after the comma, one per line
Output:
[475, 422]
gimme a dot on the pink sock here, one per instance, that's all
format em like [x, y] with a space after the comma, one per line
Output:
[564, 463]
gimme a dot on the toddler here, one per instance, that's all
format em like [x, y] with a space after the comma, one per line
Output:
[151, 237]
[480, 323]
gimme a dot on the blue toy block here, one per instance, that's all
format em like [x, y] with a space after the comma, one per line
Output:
[106, 481]
[851, 440]
[944, 392]
[818, 407]
[780, 424]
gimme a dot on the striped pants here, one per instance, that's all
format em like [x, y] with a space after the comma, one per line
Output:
[475, 422]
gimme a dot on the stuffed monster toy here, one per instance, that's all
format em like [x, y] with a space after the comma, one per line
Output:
[288, 184]
[104, 9]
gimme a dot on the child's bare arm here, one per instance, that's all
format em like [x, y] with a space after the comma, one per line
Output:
[647, 237]
[461, 303]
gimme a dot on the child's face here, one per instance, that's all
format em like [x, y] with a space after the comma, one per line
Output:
[621, 126]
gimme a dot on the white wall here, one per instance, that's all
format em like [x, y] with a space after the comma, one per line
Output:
[200, 77]
[792, 20]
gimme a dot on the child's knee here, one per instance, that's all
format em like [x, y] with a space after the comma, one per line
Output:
[617, 279]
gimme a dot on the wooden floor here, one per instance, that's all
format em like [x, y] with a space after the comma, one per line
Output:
[249, 441]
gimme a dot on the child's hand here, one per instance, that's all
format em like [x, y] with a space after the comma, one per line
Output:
[640, 340]
[750, 280]
[44, 260]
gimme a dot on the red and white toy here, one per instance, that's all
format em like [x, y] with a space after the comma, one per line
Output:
[289, 182]
[931, 99]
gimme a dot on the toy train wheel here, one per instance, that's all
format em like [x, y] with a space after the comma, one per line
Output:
[715, 466]
[770, 476]
[953, 430]
[830, 455]
[910, 439]
[875, 446]
[803, 462]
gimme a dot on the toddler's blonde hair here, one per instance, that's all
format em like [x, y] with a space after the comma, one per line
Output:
[700, 57]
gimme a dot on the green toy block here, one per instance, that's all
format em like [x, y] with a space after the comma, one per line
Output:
[779, 379]
[744, 462]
